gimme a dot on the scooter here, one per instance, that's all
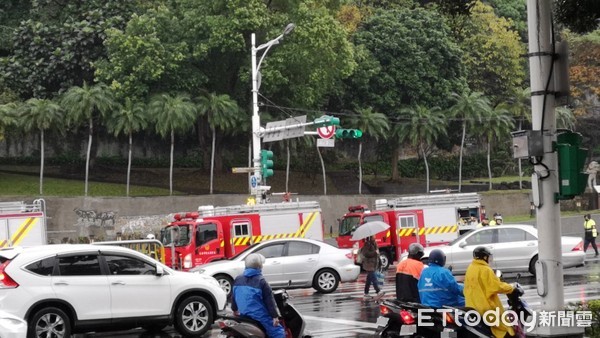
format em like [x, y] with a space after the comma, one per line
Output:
[244, 327]
[480, 329]
[401, 319]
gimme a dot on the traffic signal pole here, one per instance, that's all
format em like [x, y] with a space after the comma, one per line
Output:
[549, 268]
[255, 119]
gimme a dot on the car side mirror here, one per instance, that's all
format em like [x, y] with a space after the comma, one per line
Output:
[159, 270]
[462, 244]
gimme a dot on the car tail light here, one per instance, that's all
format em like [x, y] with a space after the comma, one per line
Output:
[578, 247]
[222, 324]
[385, 310]
[5, 281]
[407, 317]
[349, 255]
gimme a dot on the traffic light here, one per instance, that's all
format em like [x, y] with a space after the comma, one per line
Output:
[571, 161]
[327, 120]
[348, 133]
[266, 163]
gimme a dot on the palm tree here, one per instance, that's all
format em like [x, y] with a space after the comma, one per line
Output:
[370, 123]
[129, 119]
[520, 108]
[85, 103]
[397, 138]
[468, 107]
[40, 114]
[172, 113]
[222, 113]
[422, 126]
[499, 123]
[7, 116]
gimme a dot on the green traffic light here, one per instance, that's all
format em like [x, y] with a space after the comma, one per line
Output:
[266, 163]
[348, 133]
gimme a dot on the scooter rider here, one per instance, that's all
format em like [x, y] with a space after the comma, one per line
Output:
[482, 287]
[408, 273]
[252, 297]
[437, 285]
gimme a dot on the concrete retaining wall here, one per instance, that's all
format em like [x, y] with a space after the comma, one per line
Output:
[79, 217]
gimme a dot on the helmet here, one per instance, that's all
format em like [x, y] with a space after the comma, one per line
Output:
[498, 217]
[481, 252]
[438, 257]
[255, 261]
[416, 251]
[150, 236]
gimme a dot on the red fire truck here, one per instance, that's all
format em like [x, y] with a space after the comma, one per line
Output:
[427, 219]
[214, 233]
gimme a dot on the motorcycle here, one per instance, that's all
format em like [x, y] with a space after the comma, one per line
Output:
[401, 319]
[244, 327]
[515, 303]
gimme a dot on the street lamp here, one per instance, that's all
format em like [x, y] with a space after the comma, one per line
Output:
[255, 85]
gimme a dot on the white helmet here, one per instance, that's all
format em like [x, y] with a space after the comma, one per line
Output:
[150, 236]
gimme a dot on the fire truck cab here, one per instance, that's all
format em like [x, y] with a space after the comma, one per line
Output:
[427, 219]
[214, 233]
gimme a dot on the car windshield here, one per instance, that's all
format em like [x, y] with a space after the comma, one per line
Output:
[178, 234]
[348, 224]
[460, 237]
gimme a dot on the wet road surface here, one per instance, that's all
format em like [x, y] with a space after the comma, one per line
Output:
[344, 313]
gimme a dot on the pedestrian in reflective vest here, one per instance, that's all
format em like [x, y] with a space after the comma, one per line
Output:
[590, 233]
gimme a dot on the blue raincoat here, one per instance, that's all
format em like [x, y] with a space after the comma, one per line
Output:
[252, 297]
[437, 287]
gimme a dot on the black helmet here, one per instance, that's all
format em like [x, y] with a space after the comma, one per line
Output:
[415, 251]
[481, 252]
[438, 257]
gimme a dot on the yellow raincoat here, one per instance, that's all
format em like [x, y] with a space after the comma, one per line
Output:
[482, 287]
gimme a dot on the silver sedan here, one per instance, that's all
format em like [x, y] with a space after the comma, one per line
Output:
[514, 248]
[290, 263]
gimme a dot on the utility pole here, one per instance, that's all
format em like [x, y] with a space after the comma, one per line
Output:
[545, 180]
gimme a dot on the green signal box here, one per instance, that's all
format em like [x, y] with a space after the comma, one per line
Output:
[571, 163]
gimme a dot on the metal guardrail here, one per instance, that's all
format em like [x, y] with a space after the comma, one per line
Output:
[150, 247]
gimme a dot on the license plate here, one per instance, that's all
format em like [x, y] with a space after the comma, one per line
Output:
[408, 329]
[382, 321]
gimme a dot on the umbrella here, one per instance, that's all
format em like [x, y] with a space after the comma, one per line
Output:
[369, 229]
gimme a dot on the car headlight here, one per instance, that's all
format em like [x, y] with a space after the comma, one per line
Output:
[11, 323]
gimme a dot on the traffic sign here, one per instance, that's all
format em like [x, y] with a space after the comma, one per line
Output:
[326, 132]
[325, 142]
[253, 181]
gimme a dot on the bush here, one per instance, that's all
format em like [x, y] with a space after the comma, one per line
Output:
[593, 306]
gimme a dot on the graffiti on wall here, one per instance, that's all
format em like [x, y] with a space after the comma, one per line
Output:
[95, 218]
[108, 225]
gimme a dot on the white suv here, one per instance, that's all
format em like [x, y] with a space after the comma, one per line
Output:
[62, 289]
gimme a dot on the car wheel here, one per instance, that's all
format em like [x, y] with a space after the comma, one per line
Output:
[385, 260]
[194, 316]
[226, 283]
[326, 281]
[532, 265]
[49, 322]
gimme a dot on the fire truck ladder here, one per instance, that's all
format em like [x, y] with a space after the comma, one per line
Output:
[463, 199]
[209, 210]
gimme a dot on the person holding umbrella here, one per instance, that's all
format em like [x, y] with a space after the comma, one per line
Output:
[370, 260]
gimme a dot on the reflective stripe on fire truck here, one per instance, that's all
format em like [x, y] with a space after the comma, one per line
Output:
[298, 234]
[429, 230]
[22, 231]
